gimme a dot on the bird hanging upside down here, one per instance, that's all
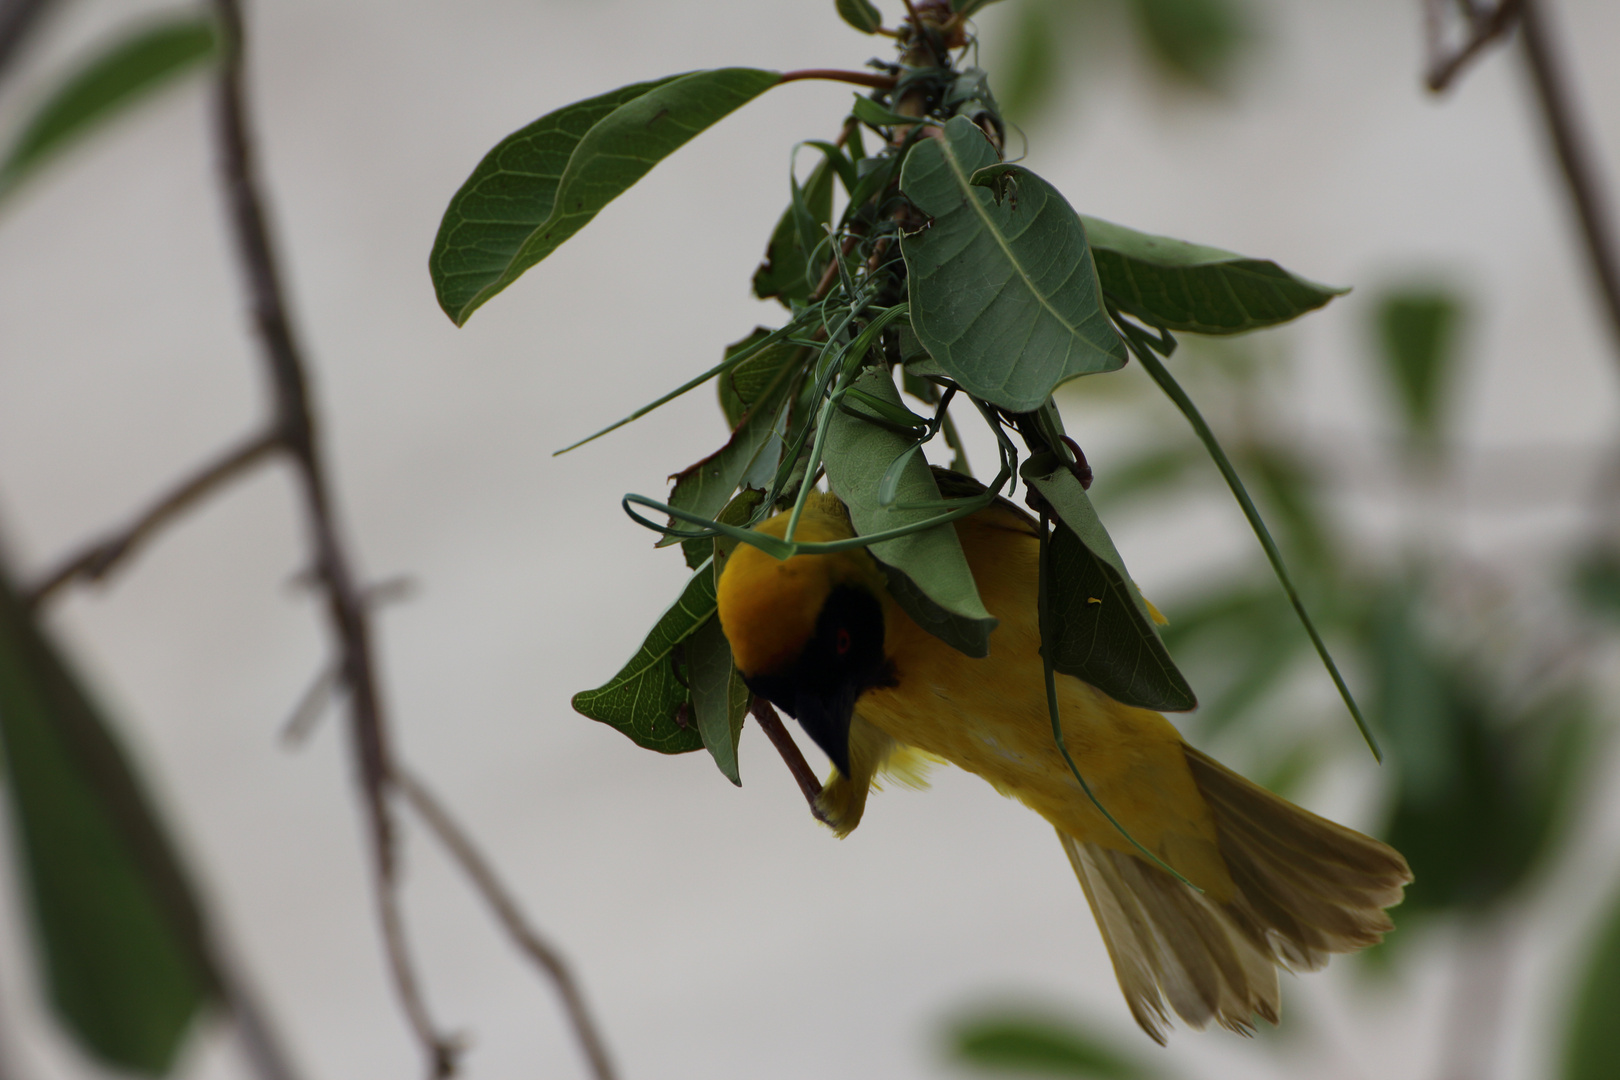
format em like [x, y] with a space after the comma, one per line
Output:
[820, 636]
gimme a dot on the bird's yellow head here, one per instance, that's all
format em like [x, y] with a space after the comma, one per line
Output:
[807, 632]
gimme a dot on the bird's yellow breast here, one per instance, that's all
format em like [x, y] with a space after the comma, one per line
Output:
[988, 716]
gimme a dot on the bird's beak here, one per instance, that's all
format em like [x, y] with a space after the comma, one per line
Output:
[825, 718]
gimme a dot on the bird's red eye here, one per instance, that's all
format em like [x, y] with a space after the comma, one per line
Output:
[841, 641]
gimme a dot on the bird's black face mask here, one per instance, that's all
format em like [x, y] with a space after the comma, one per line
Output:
[842, 660]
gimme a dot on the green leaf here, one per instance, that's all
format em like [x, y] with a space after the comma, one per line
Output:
[720, 698]
[860, 14]
[790, 270]
[1200, 290]
[1595, 580]
[118, 925]
[1197, 41]
[1592, 1045]
[1023, 1044]
[544, 183]
[874, 115]
[928, 574]
[1003, 293]
[755, 447]
[1418, 332]
[645, 699]
[1102, 631]
[1032, 66]
[121, 75]
[968, 8]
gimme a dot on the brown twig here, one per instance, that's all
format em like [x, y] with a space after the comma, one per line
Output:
[1574, 158]
[345, 600]
[771, 725]
[18, 19]
[1485, 25]
[506, 910]
[859, 78]
[96, 560]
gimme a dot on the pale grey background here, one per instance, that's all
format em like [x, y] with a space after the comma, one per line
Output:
[719, 932]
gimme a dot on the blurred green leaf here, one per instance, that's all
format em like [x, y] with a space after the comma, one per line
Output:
[544, 183]
[1197, 41]
[928, 574]
[1156, 472]
[790, 269]
[1003, 295]
[1102, 631]
[1193, 288]
[1031, 60]
[1023, 1044]
[124, 73]
[860, 14]
[968, 8]
[1592, 1046]
[1595, 580]
[118, 925]
[720, 698]
[1418, 332]
[645, 699]
[1481, 795]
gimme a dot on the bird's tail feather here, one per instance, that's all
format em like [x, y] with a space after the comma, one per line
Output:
[1305, 888]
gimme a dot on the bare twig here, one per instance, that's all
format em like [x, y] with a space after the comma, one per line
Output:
[96, 560]
[345, 601]
[859, 78]
[771, 725]
[311, 706]
[1484, 26]
[1575, 158]
[506, 910]
[18, 18]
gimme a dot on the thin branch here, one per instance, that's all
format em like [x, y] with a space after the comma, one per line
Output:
[1574, 157]
[771, 725]
[506, 910]
[96, 560]
[345, 601]
[18, 19]
[1485, 26]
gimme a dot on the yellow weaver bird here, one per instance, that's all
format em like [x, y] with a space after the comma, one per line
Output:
[820, 637]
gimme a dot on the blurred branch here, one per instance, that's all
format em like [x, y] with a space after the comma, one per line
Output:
[1485, 24]
[331, 564]
[18, 18]
[97, 559]
[501, 902]
[1574, 157]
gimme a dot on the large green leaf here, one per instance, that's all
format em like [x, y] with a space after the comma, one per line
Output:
[118, 926]
[544, 183]
[1103, 631]
[720, 698]
[122, 74]
[1201, 290]
[648, 699]
[1011, 1043]
[1593, 1043]
[1003, 293]
[928, 574]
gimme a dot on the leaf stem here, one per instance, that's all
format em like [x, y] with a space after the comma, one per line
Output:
[1139, 345]
[859, 78]
[772, 726]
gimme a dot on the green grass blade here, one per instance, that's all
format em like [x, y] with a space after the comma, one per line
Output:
[1172, 389]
